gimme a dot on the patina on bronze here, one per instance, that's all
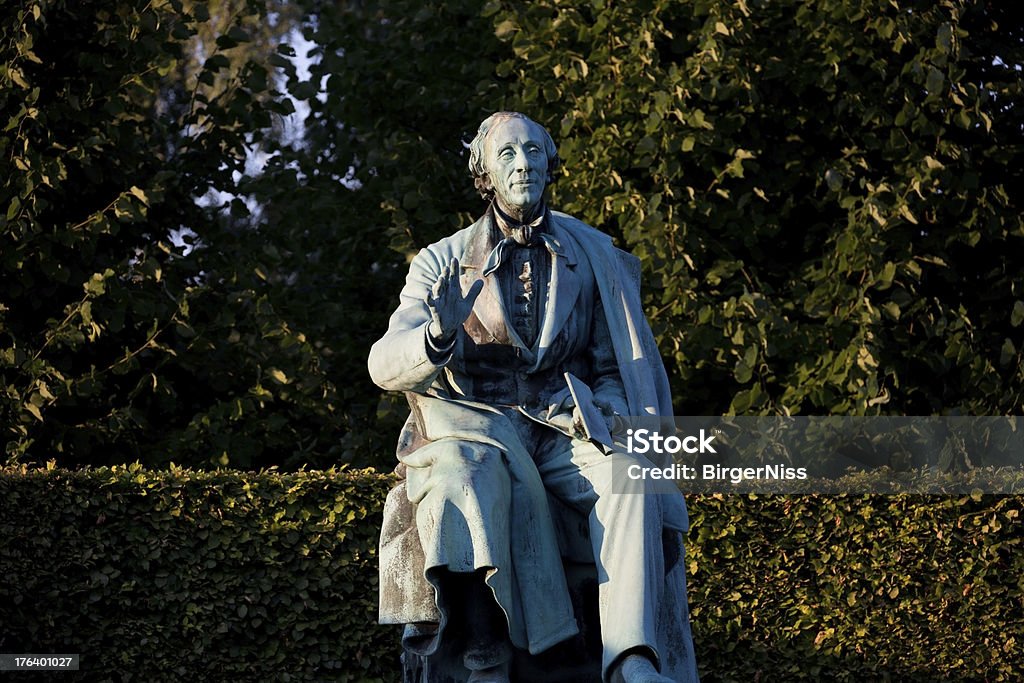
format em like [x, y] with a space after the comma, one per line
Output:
[502, 490]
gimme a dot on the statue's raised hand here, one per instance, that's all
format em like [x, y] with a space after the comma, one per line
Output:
[448, 308]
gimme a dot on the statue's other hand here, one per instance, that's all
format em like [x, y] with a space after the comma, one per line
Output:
[448, 308]
[616, 423]
[578, 428]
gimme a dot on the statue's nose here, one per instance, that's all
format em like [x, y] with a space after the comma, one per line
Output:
[523, 161]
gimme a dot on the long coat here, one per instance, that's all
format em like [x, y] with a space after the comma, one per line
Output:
[529, 581]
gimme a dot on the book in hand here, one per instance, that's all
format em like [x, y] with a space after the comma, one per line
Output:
[591, 424]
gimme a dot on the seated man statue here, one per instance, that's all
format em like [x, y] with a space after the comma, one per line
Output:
[494, 324]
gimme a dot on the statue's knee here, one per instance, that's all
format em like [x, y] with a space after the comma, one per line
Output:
[484, 466]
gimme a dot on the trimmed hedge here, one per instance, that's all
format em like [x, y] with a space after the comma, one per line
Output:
[844, 588]
[195, 576]
[232, 576]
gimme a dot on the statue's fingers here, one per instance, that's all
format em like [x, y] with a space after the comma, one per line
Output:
[474, 292]
[466, 303]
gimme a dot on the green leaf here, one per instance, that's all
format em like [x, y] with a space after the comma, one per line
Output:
[216, 62]
[505, 28]
[1008, 352]
[96, 285]
[139, 194]
[1017, 315]
[239, 34]
[935, 81]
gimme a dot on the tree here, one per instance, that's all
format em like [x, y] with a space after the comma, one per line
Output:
[103, 158]
[824, 198]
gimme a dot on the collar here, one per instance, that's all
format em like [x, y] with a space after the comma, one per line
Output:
[521, 233]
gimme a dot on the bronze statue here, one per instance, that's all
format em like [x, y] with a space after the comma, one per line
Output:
[496, 326]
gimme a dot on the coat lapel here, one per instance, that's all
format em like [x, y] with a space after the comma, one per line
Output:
[563, 289]
[489, 310]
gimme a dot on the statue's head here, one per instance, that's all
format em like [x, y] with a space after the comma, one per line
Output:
[513, 158]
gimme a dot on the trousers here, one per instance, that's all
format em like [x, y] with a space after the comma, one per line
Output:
[468, 489]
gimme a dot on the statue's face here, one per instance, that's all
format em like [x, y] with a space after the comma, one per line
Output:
[516, 164]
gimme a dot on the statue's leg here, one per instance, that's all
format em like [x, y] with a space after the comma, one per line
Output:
[462, 492]
[626, 536]
[486, 650]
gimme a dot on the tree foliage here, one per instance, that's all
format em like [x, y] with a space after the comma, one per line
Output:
[825, 198]
[118, 339]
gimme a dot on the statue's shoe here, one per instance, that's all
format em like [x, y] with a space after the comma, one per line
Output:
[638, 669]
[485, 654]
[495, 674]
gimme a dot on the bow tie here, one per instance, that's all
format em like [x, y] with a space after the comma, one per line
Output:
[504, 249]
[523, 235]
[516, 235]
[519, 232]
